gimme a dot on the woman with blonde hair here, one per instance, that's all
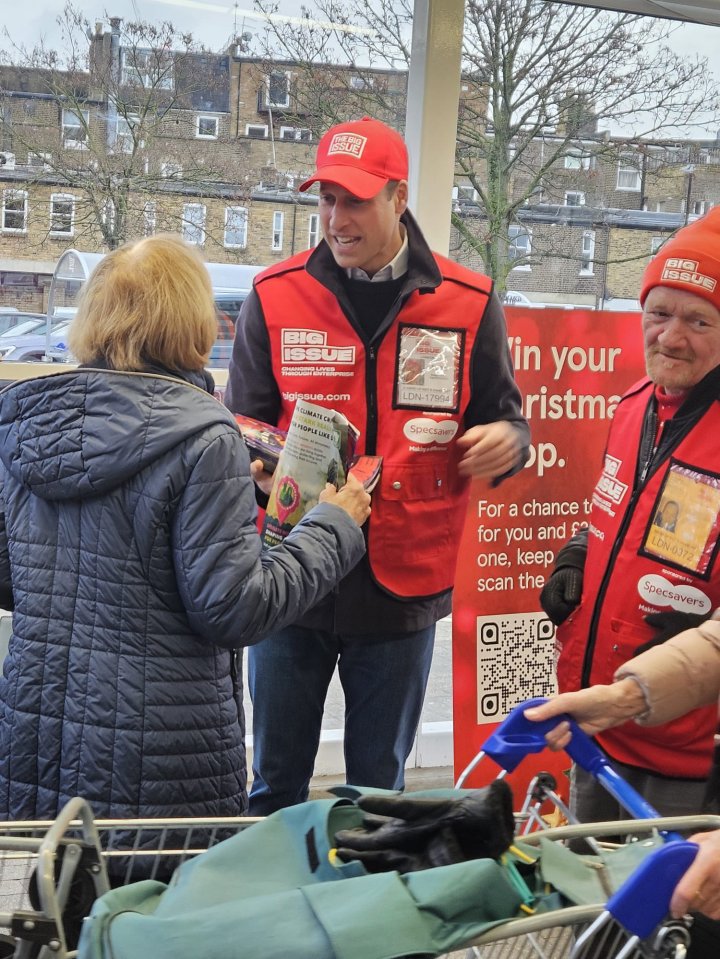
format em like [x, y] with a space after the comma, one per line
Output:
[130, 554]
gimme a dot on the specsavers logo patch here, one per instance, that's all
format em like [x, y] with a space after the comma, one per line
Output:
[311, 346]
[426, 431]
[659, 591]
[347, 144]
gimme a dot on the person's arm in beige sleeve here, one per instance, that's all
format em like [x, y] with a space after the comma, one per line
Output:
[658, 685]
[678, 676]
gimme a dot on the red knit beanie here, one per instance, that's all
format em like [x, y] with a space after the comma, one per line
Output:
[689, 261]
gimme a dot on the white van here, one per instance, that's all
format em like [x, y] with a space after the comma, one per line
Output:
[231, 284]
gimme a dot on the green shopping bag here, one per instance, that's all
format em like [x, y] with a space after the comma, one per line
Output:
[274, 891]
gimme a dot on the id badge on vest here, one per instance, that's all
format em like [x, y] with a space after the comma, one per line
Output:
[428, 369]
[684, 528]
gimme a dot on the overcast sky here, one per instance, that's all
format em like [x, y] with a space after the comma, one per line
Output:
[213, 25]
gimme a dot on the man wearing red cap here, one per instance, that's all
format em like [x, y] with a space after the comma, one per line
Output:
[647, 567]
[412, 348]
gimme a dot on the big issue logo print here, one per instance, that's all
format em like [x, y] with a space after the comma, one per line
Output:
[311, 346]
[347, 144]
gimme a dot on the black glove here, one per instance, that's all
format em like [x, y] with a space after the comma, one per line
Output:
[406, 834]
[562, 592]
[669, 625]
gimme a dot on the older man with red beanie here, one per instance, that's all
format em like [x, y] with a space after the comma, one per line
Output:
[647, 567]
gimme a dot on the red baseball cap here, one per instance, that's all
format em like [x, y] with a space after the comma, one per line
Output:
[361, 156]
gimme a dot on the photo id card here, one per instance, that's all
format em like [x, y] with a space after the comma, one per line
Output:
[429, 362]
[685, 525]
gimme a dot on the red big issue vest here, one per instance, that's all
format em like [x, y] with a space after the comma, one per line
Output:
[648, 569]
[418, 508]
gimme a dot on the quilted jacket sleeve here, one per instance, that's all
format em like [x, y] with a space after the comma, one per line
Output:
[6, 595]
[234, 592]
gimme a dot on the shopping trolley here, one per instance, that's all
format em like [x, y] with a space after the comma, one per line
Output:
[627, 918]
[51, 872]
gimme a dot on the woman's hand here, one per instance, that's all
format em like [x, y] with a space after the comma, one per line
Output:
[262, 479]
[699, 888]
[353, 498]
[593, 709]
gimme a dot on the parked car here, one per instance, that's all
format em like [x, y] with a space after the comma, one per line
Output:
[228, 310]
[11, 318]
[28, 342]
[231, 283]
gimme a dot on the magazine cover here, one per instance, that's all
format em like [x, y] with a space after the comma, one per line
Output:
[264, 442]
[319, 448]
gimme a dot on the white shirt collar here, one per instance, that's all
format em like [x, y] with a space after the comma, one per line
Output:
[393, 270]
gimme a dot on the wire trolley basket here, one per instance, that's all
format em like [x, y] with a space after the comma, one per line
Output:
[51, 873]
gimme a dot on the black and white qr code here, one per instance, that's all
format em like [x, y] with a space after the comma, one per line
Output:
[515, 662]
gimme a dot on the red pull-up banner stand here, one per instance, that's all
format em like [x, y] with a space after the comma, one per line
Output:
[572, 366]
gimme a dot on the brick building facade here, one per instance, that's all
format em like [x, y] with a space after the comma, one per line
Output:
[215, 145]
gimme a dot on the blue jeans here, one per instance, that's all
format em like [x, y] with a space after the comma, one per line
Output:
[384, 686]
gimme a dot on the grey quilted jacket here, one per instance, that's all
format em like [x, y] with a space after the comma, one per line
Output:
[128, 540]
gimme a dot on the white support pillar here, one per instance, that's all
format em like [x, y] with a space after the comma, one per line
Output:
[432, 112]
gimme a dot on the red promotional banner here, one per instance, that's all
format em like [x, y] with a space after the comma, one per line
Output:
[572, 366]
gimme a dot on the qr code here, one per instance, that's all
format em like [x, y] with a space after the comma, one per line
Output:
[515, 662]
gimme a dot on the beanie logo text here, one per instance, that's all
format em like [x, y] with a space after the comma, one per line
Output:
[347, 144]
[686, 271]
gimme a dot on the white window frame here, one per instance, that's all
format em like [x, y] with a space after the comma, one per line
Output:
[81, 125]
[171, 170]
[359, 82]
[146, 68]
[700, 207]
[573, 160]
[256, 126]
[578, 159]
[58, 217]
[574, 193]
[15, 195]
[296, 133]
[587, 253]
[194, 219]
[124, 135]
[205, 117]
[39, 161]
[233, 214]
[628, 170]
[149, 218]
[285, 101]
[278, 223]
[465, 191]
[108, 215]
[515, 233]
[656, 243]
[314, 234]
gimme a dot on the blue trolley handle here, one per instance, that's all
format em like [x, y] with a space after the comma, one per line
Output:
[517, 736]
[643, 900]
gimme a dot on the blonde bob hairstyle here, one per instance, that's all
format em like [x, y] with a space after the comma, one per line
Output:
[148, 301]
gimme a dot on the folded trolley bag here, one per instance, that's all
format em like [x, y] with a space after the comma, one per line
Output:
[277, 889]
